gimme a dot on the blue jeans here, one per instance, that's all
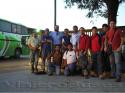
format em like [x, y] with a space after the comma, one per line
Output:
[97, 62]
[70, 69]
[53, 67]
[115, 63]
[34, 55]
[46, 51]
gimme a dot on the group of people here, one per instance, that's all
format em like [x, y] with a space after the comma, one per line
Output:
[90, 55]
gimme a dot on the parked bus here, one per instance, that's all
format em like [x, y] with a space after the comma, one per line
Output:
[13, 39]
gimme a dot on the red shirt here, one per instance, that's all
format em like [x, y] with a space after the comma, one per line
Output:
[95, 46]
[116, 39]
[84, 42]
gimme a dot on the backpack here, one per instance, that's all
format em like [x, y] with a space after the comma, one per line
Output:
[67, 52]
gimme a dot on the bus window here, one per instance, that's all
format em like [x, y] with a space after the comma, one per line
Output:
[24, 30]
[5, 26]
[14, 28]
[18, 29]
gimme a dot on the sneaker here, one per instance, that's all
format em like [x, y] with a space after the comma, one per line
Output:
[118, 80]
[50, 74]
[104, 75]
[85, 72]
[93, 74]
[36, 71]
[101, 77]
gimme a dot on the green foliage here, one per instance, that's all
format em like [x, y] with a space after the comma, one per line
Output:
[95, 7]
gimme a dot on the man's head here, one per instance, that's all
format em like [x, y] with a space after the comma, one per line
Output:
[34, 34]
[104, 27]
[69, 46]
[57, 48]
[56, 28]
[75, 28]
[112, 24]
[82, 30]
[66, 31]
[94, 30]
[46, 32]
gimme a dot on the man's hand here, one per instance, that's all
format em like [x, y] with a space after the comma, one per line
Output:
[105, 49]
[48, 41]
[33, 48]
[84, 52]
[119, 49]
[81, 51]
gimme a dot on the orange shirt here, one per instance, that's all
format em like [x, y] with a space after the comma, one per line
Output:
[84, 42]
[114, 38]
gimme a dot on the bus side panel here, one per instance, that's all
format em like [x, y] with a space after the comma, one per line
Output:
[2, 43]
[13, 43]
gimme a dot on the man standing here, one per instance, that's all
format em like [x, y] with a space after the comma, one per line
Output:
[114, 42]
[105, 59]
[65, 40]
[33, 44]
[46, 46]
[83, 48]
[97, 47]
[75, 37]
[56, 36]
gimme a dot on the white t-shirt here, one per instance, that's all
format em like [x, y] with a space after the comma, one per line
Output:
[75, 38]
[70, 56]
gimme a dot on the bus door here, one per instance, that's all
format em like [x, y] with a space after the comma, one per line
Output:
[25, 49]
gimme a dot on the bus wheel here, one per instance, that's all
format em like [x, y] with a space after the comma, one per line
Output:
[17, 53]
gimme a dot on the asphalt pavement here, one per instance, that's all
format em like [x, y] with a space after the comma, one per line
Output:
[15, 76]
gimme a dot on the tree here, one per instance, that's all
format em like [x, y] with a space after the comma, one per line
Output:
[104, 8]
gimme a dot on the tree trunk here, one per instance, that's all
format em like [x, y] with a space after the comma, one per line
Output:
[112, 7]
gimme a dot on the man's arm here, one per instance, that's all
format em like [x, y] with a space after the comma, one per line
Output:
[122, 42]
[105, 43]
[30, 46]
[102, 44]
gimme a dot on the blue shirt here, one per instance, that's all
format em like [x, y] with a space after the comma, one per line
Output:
[56, 37]
[46, 45]
[66, 39]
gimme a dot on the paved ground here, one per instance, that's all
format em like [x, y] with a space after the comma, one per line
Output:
[15, 76]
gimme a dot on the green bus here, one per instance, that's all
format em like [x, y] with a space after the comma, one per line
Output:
[13, 38]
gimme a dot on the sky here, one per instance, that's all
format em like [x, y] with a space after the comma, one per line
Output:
[39, 14]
